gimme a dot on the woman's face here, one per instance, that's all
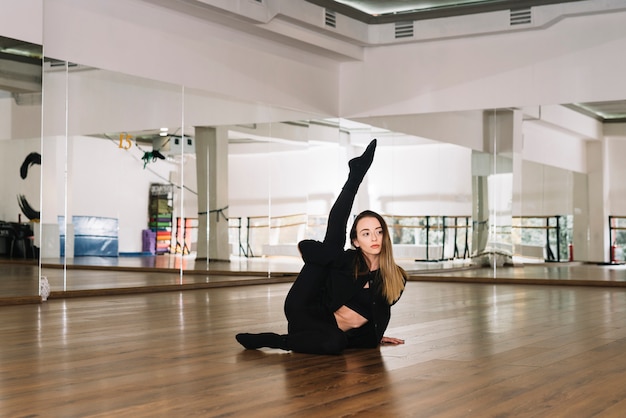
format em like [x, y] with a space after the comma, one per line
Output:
[369, 236]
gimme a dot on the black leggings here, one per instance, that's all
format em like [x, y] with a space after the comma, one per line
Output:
[312, 327]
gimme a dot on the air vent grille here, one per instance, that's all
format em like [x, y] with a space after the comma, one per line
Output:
[330, 18]
[521, 16]
[404, 29]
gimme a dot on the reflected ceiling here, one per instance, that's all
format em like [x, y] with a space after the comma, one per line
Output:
[20, 67]
[19, 48]
[607, 112]
[385, 11]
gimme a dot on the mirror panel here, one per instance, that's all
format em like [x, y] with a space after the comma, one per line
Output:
[421, 183]
[20, 162]
[426, 196]
[435, 193]
[544, 223]
[269, 208]
[252, 223]
[492, 185]
[288, 159]
[109, 159]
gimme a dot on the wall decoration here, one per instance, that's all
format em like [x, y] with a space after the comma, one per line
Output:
[34, 158]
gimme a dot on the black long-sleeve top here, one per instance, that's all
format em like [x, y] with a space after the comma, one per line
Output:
[341, 286]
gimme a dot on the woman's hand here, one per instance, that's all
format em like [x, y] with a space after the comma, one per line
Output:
[391, 340]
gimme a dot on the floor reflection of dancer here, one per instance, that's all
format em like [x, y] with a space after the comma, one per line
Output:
[341, 298]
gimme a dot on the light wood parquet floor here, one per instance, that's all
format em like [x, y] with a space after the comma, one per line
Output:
[472, 350]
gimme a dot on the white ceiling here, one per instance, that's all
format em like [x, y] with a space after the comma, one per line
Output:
[15, 54]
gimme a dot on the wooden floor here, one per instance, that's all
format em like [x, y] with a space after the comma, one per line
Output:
[472, 350]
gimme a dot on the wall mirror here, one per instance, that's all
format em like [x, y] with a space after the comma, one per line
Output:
[157, 177]
[495, 199]
[20, 156]
[148, 175]
[105, 162]
[141, 174]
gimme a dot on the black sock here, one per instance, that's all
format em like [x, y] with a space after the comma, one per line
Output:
[359, 166]
[264, 339]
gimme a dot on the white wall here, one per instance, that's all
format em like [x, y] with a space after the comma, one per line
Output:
[6, 115]
[139, 38]
[404, 180]
[422, 180]
[22, 19]
[616, 155]
[575, 60]
[546, 191]
[105, 181]
[19, 121]
[292, 180]
[550, 146]
[461, 128]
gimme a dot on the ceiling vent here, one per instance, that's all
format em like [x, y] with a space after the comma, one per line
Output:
[330, 18]
[521, 16]
[27, 99]
[404, 30]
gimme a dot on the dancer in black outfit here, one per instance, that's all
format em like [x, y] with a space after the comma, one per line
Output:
[341, 298]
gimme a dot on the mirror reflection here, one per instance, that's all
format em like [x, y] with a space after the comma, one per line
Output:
[140, 174]
[20, 162]
[543, 225]
[105, 162]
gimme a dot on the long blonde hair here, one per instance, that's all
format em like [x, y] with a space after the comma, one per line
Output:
[393, 276]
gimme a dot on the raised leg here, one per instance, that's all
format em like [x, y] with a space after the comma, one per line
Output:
[340, 212]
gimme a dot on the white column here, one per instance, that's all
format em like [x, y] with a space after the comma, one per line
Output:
[212, 172]
[597, 241]
[492, 187]
[581, 218]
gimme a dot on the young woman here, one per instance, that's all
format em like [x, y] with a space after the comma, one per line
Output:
[341, 298]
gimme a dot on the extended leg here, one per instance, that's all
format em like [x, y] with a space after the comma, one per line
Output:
[340, 212]
[318, 339]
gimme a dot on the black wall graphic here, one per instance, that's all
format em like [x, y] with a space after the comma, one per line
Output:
[30, 160]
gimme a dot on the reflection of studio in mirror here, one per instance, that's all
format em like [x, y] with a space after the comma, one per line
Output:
[148, 167]
[113, 174]
[20, 156]
[503, 200]
[491, 203]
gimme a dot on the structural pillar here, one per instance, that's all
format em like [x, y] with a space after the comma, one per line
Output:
[598, 247]
[212, 174]
[580, 238]
[492, 187]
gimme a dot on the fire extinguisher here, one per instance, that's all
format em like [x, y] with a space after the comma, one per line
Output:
[570, 248]
[613, 248]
